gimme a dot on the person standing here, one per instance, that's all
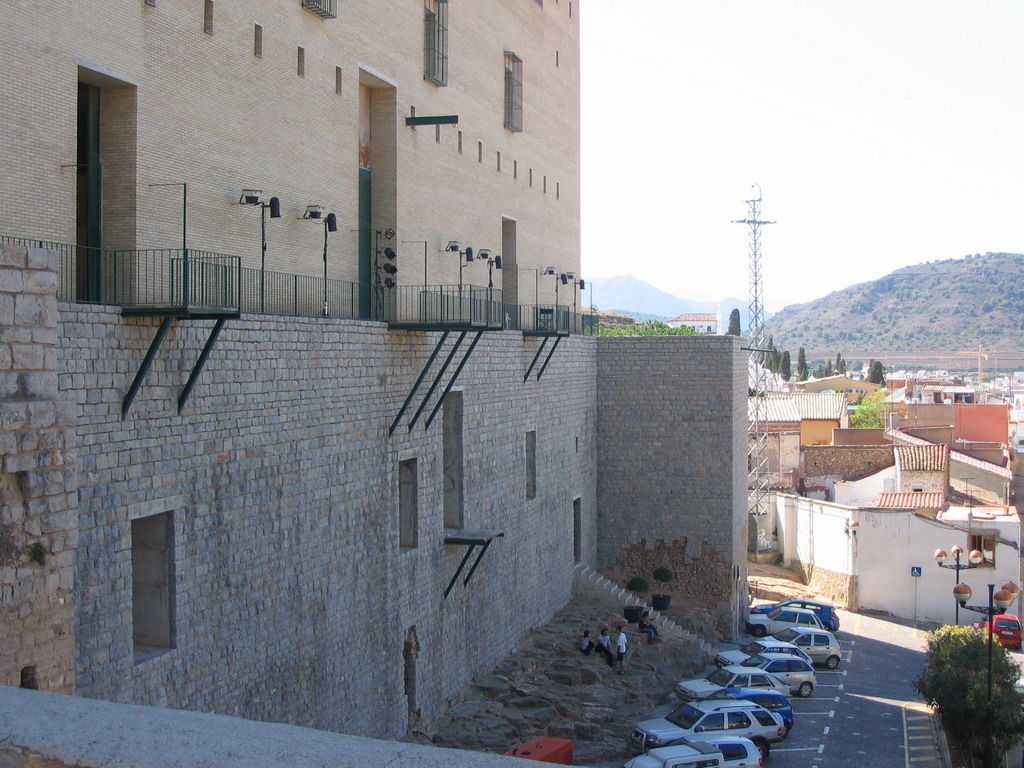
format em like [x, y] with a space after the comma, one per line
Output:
[621, 646]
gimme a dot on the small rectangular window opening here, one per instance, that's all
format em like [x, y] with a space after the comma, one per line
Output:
[498, 161]
[558, 190]
[986, 544]
[531, 177]
[437, 133]
[300, 62]
[408, 505]
[479, 151]
[208, 17]
[460, 142]
[337, 80]
[435, 42]
[545, 184]
[152, 583]
[515, 175]
[531, 464]
[257, 40]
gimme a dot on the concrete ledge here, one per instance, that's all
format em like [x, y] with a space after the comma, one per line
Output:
[75, 732]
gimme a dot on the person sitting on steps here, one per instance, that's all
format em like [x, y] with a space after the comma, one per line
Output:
[648, 628]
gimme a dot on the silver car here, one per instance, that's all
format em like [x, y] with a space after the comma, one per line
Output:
[767, 645]
[799, 674]
[709, 721]
[821, 645]
[761, 624]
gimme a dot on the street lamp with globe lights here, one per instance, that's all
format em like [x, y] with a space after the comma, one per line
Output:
[998, 602]
[974, 557]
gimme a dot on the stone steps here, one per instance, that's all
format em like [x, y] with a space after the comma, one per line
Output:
[599, 587]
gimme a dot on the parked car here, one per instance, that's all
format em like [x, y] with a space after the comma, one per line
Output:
[820, 645]
[729, 677]
[1008, 629]
[773, 701]
[767, 645]
[694, 755]
[735, 751]
[798, 673]
[824, 611]
[708, 720]
[761, 624]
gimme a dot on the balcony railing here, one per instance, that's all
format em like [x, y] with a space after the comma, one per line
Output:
[157, 281]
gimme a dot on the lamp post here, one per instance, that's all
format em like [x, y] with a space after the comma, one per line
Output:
[330, 225]
[255, 197]
[998, 602]
[974, 557]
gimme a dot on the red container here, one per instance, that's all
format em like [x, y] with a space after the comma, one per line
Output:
[545, 749]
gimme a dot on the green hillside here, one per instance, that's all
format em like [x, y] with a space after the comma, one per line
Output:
[921, 311]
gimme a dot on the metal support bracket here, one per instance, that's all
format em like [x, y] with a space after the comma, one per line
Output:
[437, 379]
[198, 367]
[454, 378]
[472, 540]
[548, 358]
[133, 390]
[419, 381]
[536, 357]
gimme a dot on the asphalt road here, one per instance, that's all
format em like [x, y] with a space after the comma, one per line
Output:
[866, 712]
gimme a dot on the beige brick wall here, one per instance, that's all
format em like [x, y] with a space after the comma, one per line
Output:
[204, 110]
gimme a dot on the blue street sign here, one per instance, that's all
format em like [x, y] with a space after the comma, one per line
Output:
[915, 570]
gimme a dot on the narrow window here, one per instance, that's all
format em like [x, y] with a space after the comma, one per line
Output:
[545, 179]
[337, 80]
[513, 92]
[570, 9]
[497, 161]
[558, 191]
[257, 40]
[408, 504]
[460, 142]
[531, 177]
[208, 17]
[300, 62]
[451, 459]
[515, 169]
[479, 151]
[152, 583]
[437, 133]
[435, 42]
[556, 59]
[531, 465]
[577, 530]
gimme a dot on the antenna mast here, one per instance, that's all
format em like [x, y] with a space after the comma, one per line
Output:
[757, 376]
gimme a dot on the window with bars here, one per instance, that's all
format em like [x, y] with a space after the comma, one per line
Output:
[513, 92]
[435, 42]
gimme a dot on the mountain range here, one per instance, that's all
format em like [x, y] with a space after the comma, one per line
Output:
[642, 301]
[929, 313]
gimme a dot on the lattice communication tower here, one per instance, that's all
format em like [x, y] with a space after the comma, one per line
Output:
[757, 375]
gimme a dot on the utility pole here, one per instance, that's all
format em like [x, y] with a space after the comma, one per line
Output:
[757, 471]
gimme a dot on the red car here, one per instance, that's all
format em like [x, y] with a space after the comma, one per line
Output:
[1008, 630]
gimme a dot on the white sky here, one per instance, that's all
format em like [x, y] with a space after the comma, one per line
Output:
[882, 132]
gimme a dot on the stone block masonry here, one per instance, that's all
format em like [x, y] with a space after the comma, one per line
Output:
[38, 524]
[291, 597]
[672, 452]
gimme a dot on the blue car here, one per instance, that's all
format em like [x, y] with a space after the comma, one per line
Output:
[770, 700]
[824, 611]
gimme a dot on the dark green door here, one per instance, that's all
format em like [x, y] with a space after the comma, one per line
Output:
[365, 242]
[88, 220]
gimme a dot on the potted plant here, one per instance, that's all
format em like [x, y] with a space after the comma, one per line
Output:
[663, 576]
[634, 612]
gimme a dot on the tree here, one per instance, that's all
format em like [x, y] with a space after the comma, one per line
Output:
[840, 363]
[955, 683]
[828, 367]
[649, 328]
[801, 365]
[876, 375]
[870, 413]
[786, 368]
[734, 323]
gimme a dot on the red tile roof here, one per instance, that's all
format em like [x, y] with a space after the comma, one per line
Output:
[922, 458]
[912, 500]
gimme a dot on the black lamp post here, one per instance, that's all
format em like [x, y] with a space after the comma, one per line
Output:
[330, 225]
[255, 197]
[997, 603]
[974, 557]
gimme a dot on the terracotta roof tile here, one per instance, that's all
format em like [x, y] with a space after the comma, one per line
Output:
[933, 457]
[912, 500]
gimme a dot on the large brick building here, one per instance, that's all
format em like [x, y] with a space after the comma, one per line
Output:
[249, 468]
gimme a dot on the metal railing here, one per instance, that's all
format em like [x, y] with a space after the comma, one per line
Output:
[190, 280]
[447, 305]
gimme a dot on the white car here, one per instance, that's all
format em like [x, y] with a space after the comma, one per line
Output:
[735, 752]
[767, 645]
[729, 677]
[761, 624]
[709, 721]
[797, 673]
